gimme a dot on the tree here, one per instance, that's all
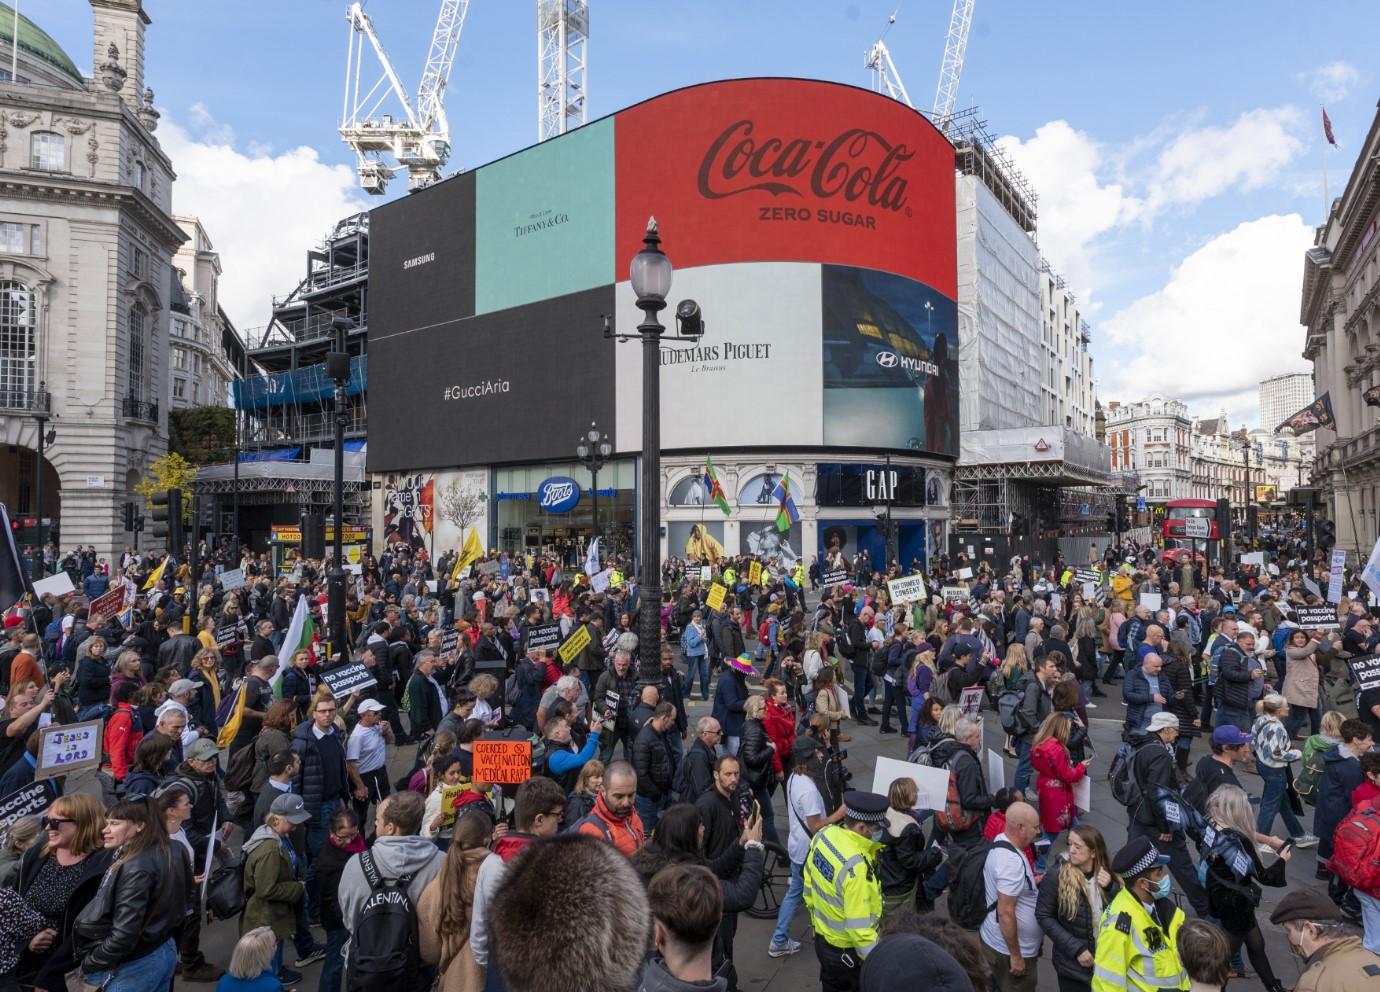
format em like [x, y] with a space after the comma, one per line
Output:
[203, 434]
[172, 471]
[462, 507]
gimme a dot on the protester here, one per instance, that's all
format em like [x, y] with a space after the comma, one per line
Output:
[1069, 907]
[444, 912]
[1334, 959]
[686, 904]
[272, 877]
[1273, 756]
[251, 965]
[1206, 955]
[1049, 757]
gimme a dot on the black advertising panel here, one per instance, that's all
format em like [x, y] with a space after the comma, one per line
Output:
[510, 386]
[421, 262]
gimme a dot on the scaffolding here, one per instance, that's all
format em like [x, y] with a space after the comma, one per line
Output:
[976, 154]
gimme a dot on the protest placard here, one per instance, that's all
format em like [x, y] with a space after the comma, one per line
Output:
[1151, 601]
[715, 599]
[572, 646]
[64, 749]
[1256, 558]
[450, 646]
[599, 581]
[346, 679]
[836, 577]
[1082, 793]
[706, 573]
[488, 568]
[754, 573]
[970, 700]
[102, 608]
[499, 762]
[932, 784]
[1317, 617]
[59, 585]
[1085, 575]
[232, 578]
[1366, 668]
[32, 798]
[544, 635]
[907, 589]
[228, 632]
[955, 594]
[964, 573]
[996, 771]
[1334, 581]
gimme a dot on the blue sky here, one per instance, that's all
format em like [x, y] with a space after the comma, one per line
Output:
[1175, 146]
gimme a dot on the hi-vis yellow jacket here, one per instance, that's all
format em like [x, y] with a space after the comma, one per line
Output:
[1133, 953]
[842, 891]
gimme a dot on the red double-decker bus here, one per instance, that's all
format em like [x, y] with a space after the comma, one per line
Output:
[1176, 540]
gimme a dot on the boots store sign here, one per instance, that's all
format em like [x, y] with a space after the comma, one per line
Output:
[788, 170]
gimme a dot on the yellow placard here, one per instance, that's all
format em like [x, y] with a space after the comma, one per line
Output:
[715, 599]
[615, 580]
[754, 573]
[572, 646]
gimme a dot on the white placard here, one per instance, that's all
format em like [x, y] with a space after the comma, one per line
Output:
[1082, 793]
[1198, 528]
[232, 578]
[1253, 558]
[599, 581]
[431, 585]
[907, 589]
[1056, 601]
[964, 573]
[932, 784]
[1089, 590]
[1334, 582]
[68, 748]
[58, 585]
[1152, 600]
[996, 771]
[706, 573]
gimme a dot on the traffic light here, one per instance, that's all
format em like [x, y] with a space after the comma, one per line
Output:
[167, 520]
[1327, 534]
[129, 515]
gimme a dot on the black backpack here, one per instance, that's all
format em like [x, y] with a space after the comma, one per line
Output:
[968, 905]
[384, 948]
[1121, 776]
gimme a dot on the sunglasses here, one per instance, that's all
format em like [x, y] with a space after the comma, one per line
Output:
[54, 822]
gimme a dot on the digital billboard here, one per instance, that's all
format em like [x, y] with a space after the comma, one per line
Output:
[813, 222]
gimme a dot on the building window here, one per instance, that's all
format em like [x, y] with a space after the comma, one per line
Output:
[179, 359]
[139, 264]
[137, 175]
[17, 346]
[179, 388]
[48, 151]
[196, 392]
[21, 239]
[138, 330]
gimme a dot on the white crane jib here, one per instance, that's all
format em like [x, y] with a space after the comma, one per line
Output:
[951, 69]
[418, 139]
[884, 73]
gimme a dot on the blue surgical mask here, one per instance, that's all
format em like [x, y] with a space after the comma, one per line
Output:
[1163, 887]
[877, 836]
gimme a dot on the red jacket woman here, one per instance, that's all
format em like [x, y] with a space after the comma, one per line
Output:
[779, 721]
[1049, 757]
[121, 738]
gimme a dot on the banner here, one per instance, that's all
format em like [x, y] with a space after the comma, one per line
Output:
[955, 594]
[1085, 575]
[837, 577]
[346, 679]
[1334, 582]
[1310, 418]
[68, 748]
[907, 589]
[1317, 617]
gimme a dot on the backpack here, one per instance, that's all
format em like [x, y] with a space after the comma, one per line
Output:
[1339, 694]
[764, 633]
[225, 889]
[1356, 850]
[1306, 784]
[1122, 778]
[239, 774]
[944, 688]
[968, 905]
[924, 755]
[843, 638]
[384, 948]
[953, 818]
[680, 784]
[1013, 719]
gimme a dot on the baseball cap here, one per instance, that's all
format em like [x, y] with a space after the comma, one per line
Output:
[371, 706]
[201, 749]
[1230, 736]
[1163, 721]
[183, 685]
[291, 808]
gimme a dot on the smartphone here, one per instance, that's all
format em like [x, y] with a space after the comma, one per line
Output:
[1287, 845]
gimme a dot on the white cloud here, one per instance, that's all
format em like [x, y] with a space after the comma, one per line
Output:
[1075, 206]
[262, 211]
[1201, 163]
[1332, 81]
[1225, 319]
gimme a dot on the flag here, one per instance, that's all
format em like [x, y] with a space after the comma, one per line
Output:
[1327, 128]
[592, 558]
[788, 513]
[711, 486]
[298, 636]
[469, 554]
[1370, 575]
[1314, 415]
[14, 578]
[231, 727]
[156, 574]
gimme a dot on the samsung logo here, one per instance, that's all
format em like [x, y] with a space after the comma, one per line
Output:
[419, 260]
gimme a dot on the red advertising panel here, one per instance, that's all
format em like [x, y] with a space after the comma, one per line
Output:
[756, 170]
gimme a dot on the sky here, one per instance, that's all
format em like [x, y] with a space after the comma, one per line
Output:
[1176, 147]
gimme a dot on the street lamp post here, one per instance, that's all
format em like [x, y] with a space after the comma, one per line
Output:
[338, 369]
[650, 275]
[45, 436]
[593, 451]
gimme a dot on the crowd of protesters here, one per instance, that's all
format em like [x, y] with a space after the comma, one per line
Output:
[354, 830]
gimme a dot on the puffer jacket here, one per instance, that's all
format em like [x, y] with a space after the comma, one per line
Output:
[652, 762]
[139, 905]
[1234, 679]
[1057, 774]
[1071, 936]
[904, 858]
[730, 695]
[1301, 679]
[756, 756]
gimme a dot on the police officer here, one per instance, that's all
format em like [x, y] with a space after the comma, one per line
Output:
[1137, 940]
[842, 891]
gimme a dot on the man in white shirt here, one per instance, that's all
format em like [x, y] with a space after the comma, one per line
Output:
[366, 758]
[807, 815]
[180, 693]
[1011, 936]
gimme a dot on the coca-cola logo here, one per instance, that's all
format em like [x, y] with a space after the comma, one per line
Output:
[857, 165]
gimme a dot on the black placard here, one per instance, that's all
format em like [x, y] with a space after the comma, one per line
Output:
[227, 633]
[544, 635]
[450, 646]
[1083, 575]
[834, 578]
[1367, 671]
[1317, 617]
[346, 679]
[31, 799]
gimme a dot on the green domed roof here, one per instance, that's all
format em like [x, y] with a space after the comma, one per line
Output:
[36, 42]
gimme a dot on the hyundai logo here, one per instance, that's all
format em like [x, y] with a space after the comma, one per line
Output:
[887, 359]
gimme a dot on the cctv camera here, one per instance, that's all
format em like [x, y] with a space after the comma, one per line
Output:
[689, 319]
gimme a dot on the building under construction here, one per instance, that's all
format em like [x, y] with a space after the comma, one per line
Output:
[1032, 478]
[285, 403]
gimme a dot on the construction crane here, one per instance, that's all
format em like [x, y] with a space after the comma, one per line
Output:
[951, 69]
[884, 74]
[562, 91]
[417, 138]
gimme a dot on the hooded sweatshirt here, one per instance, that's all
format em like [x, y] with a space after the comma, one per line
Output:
[486, 883]
[655, 978]
[393, 856]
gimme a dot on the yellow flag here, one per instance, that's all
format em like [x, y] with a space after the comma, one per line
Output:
[232, 725]
[155, 575]
[469, 554]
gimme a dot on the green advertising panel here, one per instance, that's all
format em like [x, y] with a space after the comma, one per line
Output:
[544, 220]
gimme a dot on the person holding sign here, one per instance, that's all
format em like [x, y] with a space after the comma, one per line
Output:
[23, 707]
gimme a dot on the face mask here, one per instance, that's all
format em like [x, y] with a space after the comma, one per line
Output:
[1297, 948]
[1162, 887]
[877, 836]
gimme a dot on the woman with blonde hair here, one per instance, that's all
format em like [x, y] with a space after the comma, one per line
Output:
[251, 963]
[484, 686]
[205, 672]
[1012, 672]
[587, 785]
[1070, 903]
[446, 907]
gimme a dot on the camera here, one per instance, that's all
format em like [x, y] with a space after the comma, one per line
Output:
[689, 319]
